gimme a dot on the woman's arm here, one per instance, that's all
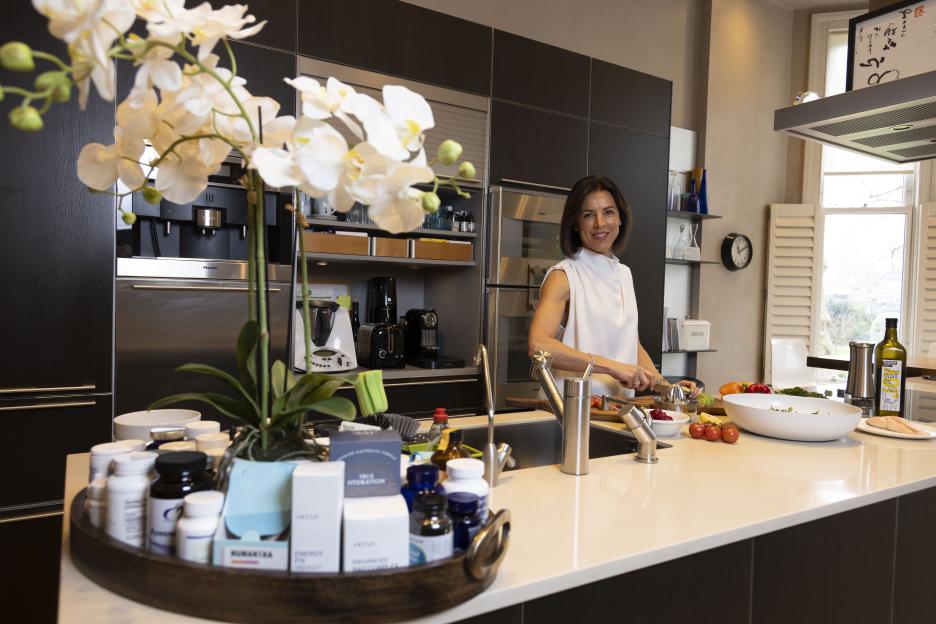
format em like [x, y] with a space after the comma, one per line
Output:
[644, 361]
[554, 297]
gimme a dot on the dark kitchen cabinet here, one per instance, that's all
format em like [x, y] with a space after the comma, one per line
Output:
[56, 239]
[537, 147]
[280, 29]
[914, 598]
[60, 425]
[836, 570]
[31, 554]
[530, 72]
[418, 398]
[637, 163]
[629, 98]
[399, 39]
[264, 71]
[671, 592]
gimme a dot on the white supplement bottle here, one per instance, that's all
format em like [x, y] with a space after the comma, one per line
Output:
[197, 526]
[96, 502]
[198, 427]
[467, 475]
[103, 454]
[127, 492]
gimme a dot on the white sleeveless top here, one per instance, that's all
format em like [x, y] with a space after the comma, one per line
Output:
[602, 314]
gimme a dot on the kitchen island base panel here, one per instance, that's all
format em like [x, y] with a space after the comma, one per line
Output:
[915, 561]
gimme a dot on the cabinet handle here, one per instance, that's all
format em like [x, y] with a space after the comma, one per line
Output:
[39, 516]
[35, 406]
[90, 387]
[537, 185]
[206, 288]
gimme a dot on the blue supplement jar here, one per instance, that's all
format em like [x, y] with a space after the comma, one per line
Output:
[420, 479]
[466, 519]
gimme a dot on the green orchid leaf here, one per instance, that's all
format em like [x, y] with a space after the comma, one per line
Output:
[322, 392]
[228, 406]
[291, 381]
[339, 407]
[246, 347]
[278, 378]
[205, 369]
[306, 384]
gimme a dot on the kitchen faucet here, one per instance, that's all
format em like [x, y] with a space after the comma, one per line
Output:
[494, 457]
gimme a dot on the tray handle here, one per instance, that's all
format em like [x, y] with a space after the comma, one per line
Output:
[489, 546]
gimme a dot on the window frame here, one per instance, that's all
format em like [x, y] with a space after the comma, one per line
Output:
[924, 186]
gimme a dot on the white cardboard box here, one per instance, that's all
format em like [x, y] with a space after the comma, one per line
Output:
[315, 530]
[694, 334]
[375, 533]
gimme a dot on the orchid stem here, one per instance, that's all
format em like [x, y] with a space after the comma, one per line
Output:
[307, 329]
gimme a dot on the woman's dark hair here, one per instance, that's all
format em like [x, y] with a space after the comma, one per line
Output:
[569, 239]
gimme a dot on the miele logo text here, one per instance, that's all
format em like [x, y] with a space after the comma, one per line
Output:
[208, 267]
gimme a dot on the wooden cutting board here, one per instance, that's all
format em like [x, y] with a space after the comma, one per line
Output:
[611, 415]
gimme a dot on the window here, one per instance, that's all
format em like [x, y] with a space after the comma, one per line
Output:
[866, 207]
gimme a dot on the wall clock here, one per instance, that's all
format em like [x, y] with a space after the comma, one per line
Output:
[736, 251]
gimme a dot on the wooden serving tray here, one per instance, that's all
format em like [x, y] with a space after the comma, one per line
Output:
[263, 596]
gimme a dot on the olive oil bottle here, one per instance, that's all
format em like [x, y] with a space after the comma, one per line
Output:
[890, 373]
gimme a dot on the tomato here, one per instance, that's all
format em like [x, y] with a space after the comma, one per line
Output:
[758, 389]
[733, 387]
[696, 430]
[730, 435]
[596, 401]
[713, 433]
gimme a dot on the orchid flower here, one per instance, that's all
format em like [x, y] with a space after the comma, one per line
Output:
[313, 161]
[213, 25]
[100, 166]
[392, 202]
[320, 102]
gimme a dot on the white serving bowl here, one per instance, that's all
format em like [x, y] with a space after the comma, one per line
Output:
[753, 412]
[669, 428]
[137, 425]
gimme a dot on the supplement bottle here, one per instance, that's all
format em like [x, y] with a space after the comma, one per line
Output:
[180, 473]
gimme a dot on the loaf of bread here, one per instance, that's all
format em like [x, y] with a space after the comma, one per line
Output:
[895, 424]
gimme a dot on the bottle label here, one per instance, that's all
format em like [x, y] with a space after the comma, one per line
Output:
[126, 518]
[163, 517]
[426, 548]
[195, 548]
[890, 385]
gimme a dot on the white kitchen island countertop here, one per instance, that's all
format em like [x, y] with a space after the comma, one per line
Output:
[622, 516]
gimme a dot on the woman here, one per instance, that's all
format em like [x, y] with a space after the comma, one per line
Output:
[588, 309]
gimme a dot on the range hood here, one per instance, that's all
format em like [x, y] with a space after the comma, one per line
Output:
[895, 121]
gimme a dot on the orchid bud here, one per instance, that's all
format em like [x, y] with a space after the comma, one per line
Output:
[449, 152]
[17, 56]
[151, 195]
[26, 118]
[466, 171]
[59, 84]
[128, 217]
[1, 94]
[431, 202]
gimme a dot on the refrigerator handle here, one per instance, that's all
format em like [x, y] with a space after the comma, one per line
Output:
[36, 406]
[85, 388]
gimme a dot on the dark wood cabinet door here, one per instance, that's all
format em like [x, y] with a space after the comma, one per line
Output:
[637, 163]
[668, 593]
[264, 71]
[56, 239]
[914, 598]
[536, 146]
[629, 98]
[538, 74]
[31, 555]
[825, 572]
[60, 426]
[399, 39]
[280, 16]
[418, 398]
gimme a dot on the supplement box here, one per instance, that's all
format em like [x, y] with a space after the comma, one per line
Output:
[376, 533]
[254, 527]
[371, 461]
[315, 531]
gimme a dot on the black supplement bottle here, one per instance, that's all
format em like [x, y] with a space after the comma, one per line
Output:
[180, 474]
[890, 373]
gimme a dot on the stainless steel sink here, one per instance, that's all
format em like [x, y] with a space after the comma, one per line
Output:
[540, 443]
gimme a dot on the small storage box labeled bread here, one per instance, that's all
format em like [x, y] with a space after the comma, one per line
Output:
[694, 334]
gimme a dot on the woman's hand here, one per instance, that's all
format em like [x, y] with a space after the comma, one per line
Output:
[633, 377]
[688, 385]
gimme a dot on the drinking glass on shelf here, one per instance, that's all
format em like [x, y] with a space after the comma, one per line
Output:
[672, 199]
[679, 249]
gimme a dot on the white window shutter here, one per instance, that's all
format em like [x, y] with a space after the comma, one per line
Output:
[925, 339]
[794, 274]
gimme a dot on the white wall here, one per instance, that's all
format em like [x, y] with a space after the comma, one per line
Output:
[749, 77]
[659, 37]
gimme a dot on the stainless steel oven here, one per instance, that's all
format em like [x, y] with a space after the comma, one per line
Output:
[524, 244]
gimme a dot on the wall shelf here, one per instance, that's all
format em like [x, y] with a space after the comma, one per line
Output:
[678, 261]
[691, 216]
[353, 259]
[370, 227]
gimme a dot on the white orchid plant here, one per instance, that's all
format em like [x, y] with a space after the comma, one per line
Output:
[184, 117]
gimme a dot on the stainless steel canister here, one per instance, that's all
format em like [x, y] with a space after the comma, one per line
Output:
[575, 425]
[860, 384]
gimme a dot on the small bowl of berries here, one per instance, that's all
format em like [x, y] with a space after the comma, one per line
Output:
[667, 423]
